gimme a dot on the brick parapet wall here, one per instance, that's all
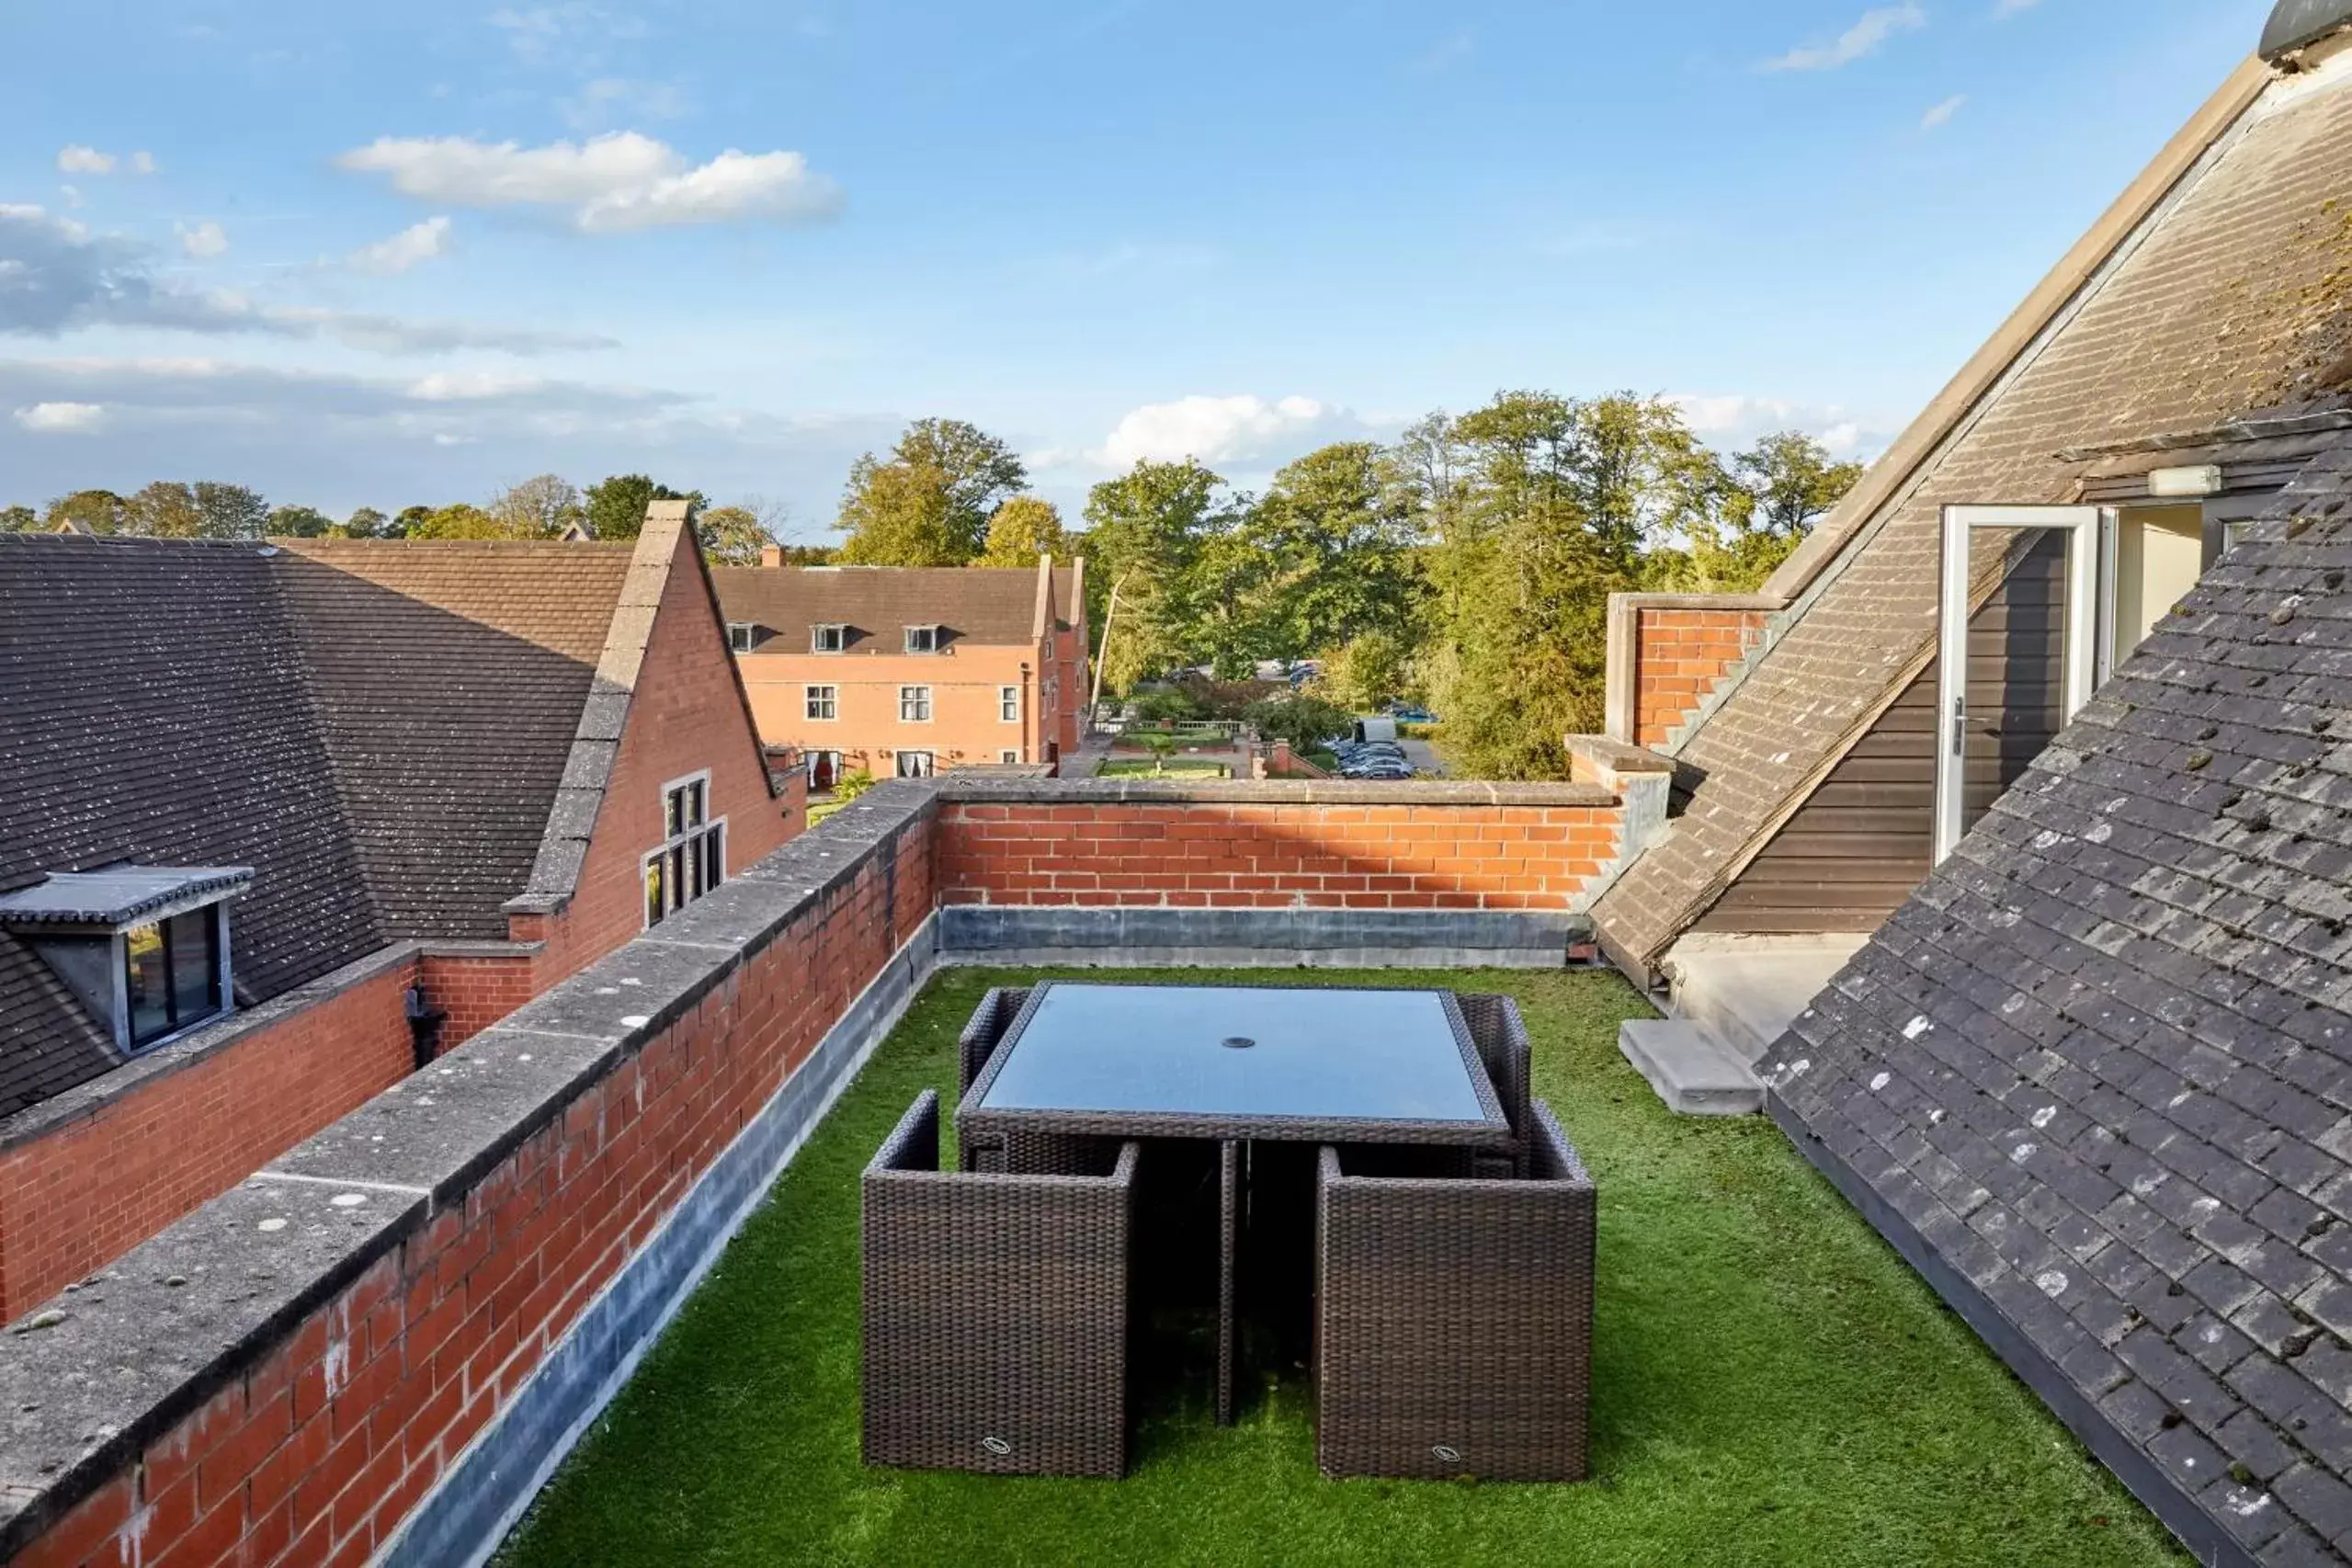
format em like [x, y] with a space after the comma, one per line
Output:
[286, 1374]
[306, 1361]
[100, 1168]
[1669, 655]
[1682, 654]
[1275, 844]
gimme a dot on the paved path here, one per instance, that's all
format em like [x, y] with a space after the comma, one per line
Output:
[1424, 757]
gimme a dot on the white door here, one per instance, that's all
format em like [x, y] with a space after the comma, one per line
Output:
[2087, 530]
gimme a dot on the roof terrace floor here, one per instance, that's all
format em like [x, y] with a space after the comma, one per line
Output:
[1772, 1384]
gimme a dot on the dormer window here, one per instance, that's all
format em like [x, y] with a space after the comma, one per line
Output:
[923, 639]
[741, 636]
[828, 639]
[143, 948]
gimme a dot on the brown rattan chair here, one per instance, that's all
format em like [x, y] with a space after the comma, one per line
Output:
[1454, 1318]
[1501, 1038]
[996, 1311]
[1020, 1154]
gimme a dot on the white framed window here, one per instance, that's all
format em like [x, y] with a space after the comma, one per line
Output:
[1011, 755]
[913, 704]
[922, 638]
[915, 765]
[692, 859]
[1008, 704]
[828, 639]
[824, 701]
[740, 636]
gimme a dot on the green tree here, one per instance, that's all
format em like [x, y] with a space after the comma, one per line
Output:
[541, 508]
[898, 513]
[19, 519]
[1765, 500]
[368, 523]
[411, 518]
[929, 504]
[230, 511]
[731, 536]
[1371, 670]
[300, 522]
[95, 511]
[1305, 721]
[1022, 529]
[1332, 546]
[1146, 532]
[461, 521]
[617, 506]
[167, 509]
[1558, 501]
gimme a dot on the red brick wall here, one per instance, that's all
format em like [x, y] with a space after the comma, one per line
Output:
[1679, 654]
[76, 1198]
[476, 992]
[319, 1450]
[683, 717]
[1200, 854]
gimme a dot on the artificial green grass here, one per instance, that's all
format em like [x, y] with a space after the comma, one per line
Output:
[1772, 1384]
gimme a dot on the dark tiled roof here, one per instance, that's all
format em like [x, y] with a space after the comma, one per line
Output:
[449, 678]
[378, 729]
[117, 895]
[2230, 302]
[2095, 1078]
[985, 605]
[155, 711]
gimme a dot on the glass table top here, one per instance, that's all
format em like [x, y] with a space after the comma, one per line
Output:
[1238, 1050]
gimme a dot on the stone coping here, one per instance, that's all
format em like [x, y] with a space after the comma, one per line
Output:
[960, 790]
[126, 1355]
[1612, 755]
[145, 1343]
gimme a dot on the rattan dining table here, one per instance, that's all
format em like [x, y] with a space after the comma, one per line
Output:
[1236, 1064]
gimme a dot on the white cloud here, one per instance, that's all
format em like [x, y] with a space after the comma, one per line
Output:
[413, 247]
[1213, 429]
[201, 240]
[62, 418]
[336, 440]
[620, 181]
[60, 278]
[76, 159]
[1942, 113]
[1726, 422]
[1864, 38]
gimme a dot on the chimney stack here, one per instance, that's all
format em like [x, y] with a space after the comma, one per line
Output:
[772, 556]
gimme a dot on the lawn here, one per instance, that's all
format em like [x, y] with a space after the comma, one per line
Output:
[1144, 767]
[1773, 1386]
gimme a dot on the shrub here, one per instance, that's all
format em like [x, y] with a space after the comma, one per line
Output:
[1163, 705]
[1301, 720]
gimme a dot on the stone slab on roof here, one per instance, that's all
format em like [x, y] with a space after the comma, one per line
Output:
[2095, 1078]
[2230, 300]
[992, 605]
[116, 895]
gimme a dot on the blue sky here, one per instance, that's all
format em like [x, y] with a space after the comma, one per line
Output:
[390, 255]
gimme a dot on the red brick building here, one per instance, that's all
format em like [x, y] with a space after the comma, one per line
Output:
[902, 672]
[264, 802]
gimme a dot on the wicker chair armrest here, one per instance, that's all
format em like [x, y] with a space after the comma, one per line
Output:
[914, 1143]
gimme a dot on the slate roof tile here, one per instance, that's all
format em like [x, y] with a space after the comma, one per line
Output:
[375, 727]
